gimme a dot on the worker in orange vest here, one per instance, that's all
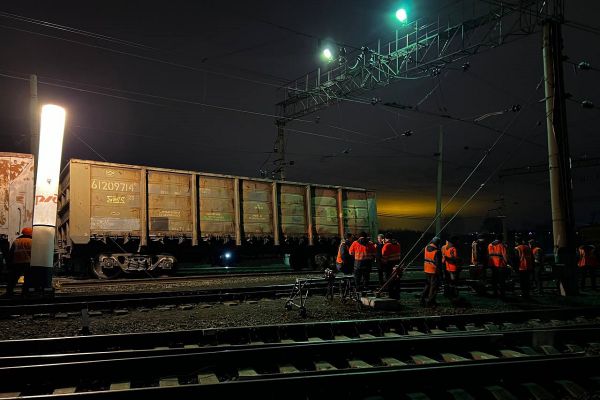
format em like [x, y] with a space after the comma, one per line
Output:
[498, 262]
[451, 262]
[525, 262]
[19, 258]
[538, 265]
[432, 267]
[587, 263]
[344, 262]
[390, 258]
[363, 251]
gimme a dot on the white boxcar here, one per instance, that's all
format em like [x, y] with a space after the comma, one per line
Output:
[16, 194]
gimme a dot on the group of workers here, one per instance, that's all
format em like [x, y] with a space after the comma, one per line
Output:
[357, 256]
[442, 264]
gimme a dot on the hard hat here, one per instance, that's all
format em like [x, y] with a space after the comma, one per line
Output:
[27, 231]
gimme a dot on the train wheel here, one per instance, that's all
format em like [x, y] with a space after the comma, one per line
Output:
[101, 272]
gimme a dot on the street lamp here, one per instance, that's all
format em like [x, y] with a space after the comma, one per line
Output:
[46, 197]
[327, 54]
[401, 15]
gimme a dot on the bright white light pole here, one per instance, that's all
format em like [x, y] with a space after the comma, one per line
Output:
[52, 129]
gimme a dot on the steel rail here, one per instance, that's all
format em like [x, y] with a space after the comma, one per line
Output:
[326, 362]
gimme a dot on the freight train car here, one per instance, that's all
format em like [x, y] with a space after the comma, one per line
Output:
[16, 196]
[126, 218]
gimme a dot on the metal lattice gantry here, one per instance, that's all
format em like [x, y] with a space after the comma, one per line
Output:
[421, 49]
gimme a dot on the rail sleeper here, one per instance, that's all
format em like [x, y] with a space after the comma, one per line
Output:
[572, 388]
[169, 381]
[500, 393]
[208, 378]
[460, 394]
[65, 390]
[120, 386]
[450, 357]
[537, 391]
[359, 364]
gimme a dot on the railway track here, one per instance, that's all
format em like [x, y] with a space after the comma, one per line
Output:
[318, 369]
[103, 302]
[93, 283]
[81, 348]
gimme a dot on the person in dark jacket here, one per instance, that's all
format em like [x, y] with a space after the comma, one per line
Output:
[19, 258]
[344, 262]
[479, 262]
[378, 262]
[433, 269]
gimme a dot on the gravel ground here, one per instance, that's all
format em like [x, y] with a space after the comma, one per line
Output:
[263, 312]
[231, 281]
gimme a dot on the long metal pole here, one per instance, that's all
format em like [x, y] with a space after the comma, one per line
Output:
[558, 157]
[438, 198]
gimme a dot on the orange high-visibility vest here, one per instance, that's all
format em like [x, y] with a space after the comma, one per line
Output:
[22, 250]
[497, 255]
[449, 255]
[429, 265]
[525, 257]
[390, 252]
[362, 252]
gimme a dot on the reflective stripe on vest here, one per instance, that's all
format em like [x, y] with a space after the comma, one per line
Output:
[362, 252]
[390, 252]
[525, 257]
[429, 266]
[497, 257]
[449, 252]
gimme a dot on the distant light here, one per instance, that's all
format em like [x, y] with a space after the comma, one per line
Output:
[228, 255]
[328, 54]
[401, 15]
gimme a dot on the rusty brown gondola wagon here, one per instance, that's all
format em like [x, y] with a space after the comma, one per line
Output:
[126, 218]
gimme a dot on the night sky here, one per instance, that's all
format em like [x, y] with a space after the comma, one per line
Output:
[157, 108]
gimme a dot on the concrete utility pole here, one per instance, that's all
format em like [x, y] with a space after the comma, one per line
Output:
[559, 157]
[438, 197]
[34, 120]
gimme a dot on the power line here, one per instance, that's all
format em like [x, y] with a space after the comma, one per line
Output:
[457, 119]
[171, 99]
[76, 31]
[145, 58]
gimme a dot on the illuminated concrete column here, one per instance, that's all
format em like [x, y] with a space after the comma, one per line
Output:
[46, 195]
